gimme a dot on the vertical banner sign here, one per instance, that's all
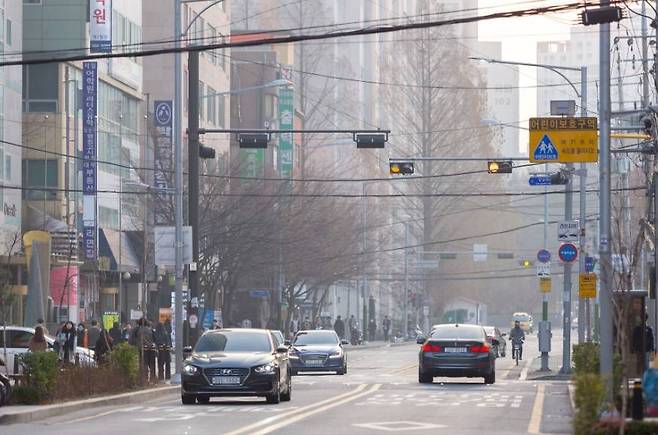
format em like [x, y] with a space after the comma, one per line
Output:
[89, 176]
[100, 26]
[163, 114]
[286, 120]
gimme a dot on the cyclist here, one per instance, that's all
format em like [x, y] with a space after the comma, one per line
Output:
[517, 336]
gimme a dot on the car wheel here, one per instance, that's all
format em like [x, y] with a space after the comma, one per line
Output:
[203, 400]
[490, 378]
[285, 397]
[275, 397]
[424, 379]
[188, 399]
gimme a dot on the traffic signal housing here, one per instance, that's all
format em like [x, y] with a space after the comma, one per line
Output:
[525, 263]
[370, 140]
[559, 178]
[401, 168]
[254, 140]
[499, 166]
[206, 152]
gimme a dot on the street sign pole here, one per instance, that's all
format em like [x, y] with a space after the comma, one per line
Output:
[544, 304]
[566, 293]
[582, 210]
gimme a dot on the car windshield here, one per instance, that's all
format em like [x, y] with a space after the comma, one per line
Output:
[310, 338]
[234, 341]
[457, 332]
[521, 317]
[490, 331]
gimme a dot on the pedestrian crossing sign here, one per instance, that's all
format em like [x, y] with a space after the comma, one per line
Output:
[563, 140]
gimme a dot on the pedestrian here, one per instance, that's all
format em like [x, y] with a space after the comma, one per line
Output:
[146, 346]
[386, 327]
[339, 327]
[94, 333]
[126, 334]
[40, 322]
[372, 329]
[103, 346]
[38, 341]
[82, 335]
[163, 342]
[215, 324]
[115, 333]
[67, 340]
[306, 324]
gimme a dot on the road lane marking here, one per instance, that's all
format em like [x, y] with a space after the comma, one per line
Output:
[524, 372]
[403, 369]
[535, 418]
[269, 420]
[301, 416]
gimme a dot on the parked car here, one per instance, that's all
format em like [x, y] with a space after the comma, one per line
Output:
[457, 351]
[236, 362]
[18, 341]
[494, 333]
[318, 351]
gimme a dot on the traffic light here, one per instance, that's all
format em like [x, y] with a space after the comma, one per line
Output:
[602, 15]
[206, 152]
[559, 178]
[525, 263]
[375, 140]
[254, 140]
[401, 168]
[499, 167]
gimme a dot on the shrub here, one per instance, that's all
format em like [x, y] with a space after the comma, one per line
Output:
[586, 358]
[125, 358]
[25, 395]
[589, 400]
[41, 371]
[631, 428]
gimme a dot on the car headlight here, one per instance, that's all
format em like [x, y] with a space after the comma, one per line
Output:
[338, 353]
[265, 369]
[190, 370]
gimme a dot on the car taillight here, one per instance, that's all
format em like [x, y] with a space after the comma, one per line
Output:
[480, 348]
[431, 348]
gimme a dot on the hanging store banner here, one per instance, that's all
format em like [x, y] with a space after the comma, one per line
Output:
[163, 122]
[100, 26]
[286, 122]
[89, 155]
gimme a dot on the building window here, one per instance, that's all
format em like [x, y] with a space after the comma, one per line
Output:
[211, 105]
[8, 168]
[8, 32]
[40, 87]
[40, 173]
[108, 218]
[202, 95]
[221, 109]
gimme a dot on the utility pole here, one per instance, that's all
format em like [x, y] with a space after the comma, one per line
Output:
[582, 302]
[193, 188]
[544, 304]
[178, 159]
[405, 317]
[566, 292]
[364, 293]
[605, 296]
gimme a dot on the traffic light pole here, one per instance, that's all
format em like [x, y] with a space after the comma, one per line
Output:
[583, 318]
[193, 186]
[544, 304]
[566, 293]
[405, 317]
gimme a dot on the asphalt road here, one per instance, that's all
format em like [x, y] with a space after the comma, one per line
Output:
[380, 393]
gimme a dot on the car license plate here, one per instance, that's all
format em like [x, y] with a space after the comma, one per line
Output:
[455, 349]
[226, 380]
[314, 362]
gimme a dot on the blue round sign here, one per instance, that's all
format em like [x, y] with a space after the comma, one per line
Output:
[568, 252]
[543, 256]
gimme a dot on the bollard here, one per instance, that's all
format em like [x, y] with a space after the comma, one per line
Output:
[637, 410]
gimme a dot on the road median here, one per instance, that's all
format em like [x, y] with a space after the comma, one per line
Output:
[15, 414]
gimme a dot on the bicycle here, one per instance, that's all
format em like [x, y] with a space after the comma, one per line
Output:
[516, 350]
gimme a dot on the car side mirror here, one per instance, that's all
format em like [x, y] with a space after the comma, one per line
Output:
[282, 349]
[420, 340]
[287, 343]
[344, 342]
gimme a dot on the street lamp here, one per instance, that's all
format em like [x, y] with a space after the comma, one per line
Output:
[566, 360]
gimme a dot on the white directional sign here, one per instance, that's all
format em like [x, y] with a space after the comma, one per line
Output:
[543, 270]
[568, 231]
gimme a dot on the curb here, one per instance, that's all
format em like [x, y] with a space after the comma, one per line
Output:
[376, 346]
[46, 411]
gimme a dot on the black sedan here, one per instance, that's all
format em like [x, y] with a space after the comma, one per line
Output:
[236, 362]
[318, 351]
[457, 351]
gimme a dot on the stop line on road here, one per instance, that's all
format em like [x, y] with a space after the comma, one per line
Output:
[445, 398]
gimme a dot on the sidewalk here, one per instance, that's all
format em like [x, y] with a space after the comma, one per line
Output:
[554, 365]
[376, 344]
[14, 414]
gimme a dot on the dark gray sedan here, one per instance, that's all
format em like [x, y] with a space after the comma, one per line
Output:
[457, 351]
[318, 351]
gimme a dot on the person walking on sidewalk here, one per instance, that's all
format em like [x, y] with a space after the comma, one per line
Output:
[82, 335]
[339, 327]
[103, 346]
[67, 340]
[386, 327]
[146, 346]
[94, 333]
[372, 330]
[163, 343]
[115, 333]
[38, 341]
